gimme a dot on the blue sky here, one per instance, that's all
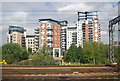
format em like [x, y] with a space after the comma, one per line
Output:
[26, 14]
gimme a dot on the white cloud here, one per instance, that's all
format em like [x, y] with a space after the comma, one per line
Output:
[76, 7]
[16, 18]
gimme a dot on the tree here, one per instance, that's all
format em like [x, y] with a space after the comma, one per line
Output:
[94, 52]
[13, 52]
[30, 50]
[80, 54]
[88, 52]
[71, 54]
[102, 57]
[25, 55]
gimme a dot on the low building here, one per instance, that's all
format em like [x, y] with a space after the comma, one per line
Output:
[30, 42]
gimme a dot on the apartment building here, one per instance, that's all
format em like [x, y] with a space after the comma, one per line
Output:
[96, 30]
[71, 36]
[74, 35]
[30, 42]
[79, 34]
[53, 34]
[17, 35]
[63, 36]
[90, 26]
[37, 31]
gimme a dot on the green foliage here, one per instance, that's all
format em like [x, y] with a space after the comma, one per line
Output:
[12, 53]
[39, 59]
[117, 54]
[88, 52]
[30, 50]
[73, 54]
[92, 53]
[25, 55]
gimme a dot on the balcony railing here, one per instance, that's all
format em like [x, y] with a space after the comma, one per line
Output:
[49, 28]
[49, 41]
[49, 35]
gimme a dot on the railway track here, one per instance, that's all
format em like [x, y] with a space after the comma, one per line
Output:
[59, 73]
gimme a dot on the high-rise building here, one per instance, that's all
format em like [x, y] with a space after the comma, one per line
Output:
[90, 26]
[30, 42]
[53, 34]
[37, 31]
[63, 36]
[17, 35]
[96, 30]
[79, 34]
[71, 36]
[74, 36]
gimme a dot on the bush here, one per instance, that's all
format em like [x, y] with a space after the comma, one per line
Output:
[39, 59]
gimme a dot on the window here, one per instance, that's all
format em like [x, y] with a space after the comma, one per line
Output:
[29, 46]
[55, 38]
[42, 39]
[55, 27]
[28, 42]
[55, 32]
[43, 26]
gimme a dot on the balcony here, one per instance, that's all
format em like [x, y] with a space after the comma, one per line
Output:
[36, 43]
[49, 35]
[49, 28]
[36, 32]
[36, 37]
[37, 29]
[50, 47]
[37, 46]
[49, 41]
[36, 40]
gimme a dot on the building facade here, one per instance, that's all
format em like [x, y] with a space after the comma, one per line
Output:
[53, 34]
[17, 35]
[71, 36]
[74, 35]
[79, 34]
[90, 26]
[30, 42]
[63, 36]
[96, 30]
[37, 37]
